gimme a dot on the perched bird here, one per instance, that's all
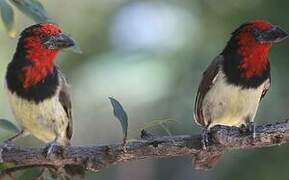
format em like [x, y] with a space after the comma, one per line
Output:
[37, 89]
[237, 79]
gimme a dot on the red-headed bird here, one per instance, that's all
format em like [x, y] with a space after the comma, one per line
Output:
[37, 90]
[237, 79]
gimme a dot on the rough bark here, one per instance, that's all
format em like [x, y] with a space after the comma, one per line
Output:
[97, 157]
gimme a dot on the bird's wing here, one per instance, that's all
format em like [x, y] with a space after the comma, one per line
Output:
[266, 87]
[65, 100]
[208, 80]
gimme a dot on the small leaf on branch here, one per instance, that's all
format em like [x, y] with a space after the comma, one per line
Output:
[121, 115]
[8, 18]
[33, 9]
[9, 126]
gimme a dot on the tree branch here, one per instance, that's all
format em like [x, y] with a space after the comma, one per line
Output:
[97, 157]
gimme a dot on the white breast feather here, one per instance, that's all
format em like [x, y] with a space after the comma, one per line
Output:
[230, 105]
[43, 120]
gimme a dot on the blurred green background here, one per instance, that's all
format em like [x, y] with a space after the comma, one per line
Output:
[150, 56]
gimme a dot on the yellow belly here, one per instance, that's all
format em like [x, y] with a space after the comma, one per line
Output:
[237, 108]
[44, 120]
[230, 105]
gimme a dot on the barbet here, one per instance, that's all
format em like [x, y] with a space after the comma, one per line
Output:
[37, 89]
[234, 83]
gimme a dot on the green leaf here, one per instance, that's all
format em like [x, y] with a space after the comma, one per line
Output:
[33, 9]
[9, 126]
[8, 18]
[121, 115]
[30, 174]
[6, 166]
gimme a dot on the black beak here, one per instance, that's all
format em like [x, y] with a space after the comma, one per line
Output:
[275, 34]
[59, 41]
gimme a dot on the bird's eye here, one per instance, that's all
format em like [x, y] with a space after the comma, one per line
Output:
[256, 32]
[42, 36]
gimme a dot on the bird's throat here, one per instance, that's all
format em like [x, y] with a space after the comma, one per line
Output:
[41, 64]
[254, 57]
[34, 74]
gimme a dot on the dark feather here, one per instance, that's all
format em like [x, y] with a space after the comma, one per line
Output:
[42, 90]
[65, 100]
[231, 65]
[206, 83]
[266, 87]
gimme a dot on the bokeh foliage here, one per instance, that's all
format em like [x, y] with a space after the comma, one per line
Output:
[31, 8]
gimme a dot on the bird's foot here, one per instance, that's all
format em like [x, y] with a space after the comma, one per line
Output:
[205, 138]
[252, 129]
[53, 150]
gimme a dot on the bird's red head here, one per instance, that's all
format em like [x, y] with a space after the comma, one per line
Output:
[254, 39]
[40, 44]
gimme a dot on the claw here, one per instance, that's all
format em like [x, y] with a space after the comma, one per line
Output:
[53, 149]
[205, 139]
[252, 129]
